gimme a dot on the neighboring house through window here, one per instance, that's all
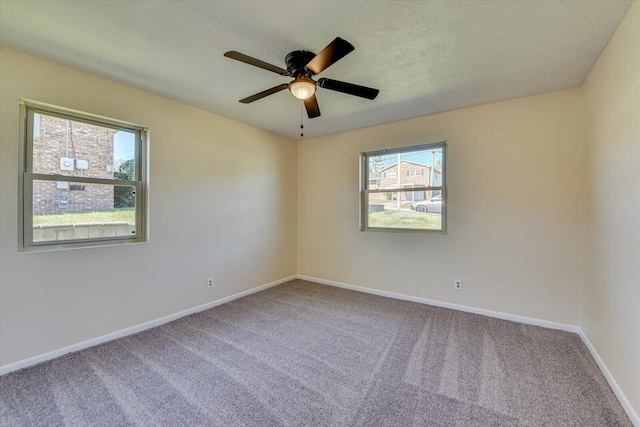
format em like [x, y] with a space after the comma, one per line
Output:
[83, 178]
[403, 189]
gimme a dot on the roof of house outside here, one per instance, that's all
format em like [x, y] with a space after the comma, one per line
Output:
[404, 161]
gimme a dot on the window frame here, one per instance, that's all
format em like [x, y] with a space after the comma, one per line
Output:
[365, 190]
[26, 177]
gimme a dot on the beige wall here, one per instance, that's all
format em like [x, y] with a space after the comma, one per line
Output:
[611, 198]
[513, 209]
[222, 204]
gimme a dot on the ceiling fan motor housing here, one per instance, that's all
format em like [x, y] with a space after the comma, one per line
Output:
[296, 62]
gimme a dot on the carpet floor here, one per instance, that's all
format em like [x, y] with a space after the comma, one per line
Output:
[304, 354]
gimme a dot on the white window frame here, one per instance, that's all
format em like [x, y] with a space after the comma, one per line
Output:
[391, 174]
[365, 190]
[414, 172]
[26, 177]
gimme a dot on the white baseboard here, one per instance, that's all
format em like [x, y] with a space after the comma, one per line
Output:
[633, 416]
[131, 330]
[497, 314]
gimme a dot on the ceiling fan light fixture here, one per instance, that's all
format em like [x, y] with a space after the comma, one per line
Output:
[302, 87]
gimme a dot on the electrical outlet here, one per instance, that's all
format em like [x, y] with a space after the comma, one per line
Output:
[457, 284]
[210, 282]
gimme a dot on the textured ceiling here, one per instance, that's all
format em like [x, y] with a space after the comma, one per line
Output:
[425, 57]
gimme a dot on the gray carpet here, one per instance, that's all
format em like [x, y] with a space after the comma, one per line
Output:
[303, 354]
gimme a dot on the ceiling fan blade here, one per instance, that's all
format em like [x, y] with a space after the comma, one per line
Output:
[255, 62]
[349, 88]
[311, 104]
[331, 54]
[264, 93]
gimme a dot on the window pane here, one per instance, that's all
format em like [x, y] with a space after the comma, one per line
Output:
[75, 211]
[405, 209]
[421, 168]
[72, 148]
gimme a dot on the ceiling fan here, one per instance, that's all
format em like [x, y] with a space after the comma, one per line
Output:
[302, 66]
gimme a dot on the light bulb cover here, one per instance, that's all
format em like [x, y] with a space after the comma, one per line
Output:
[302, 87]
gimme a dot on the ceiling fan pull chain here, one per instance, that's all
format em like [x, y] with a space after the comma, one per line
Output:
[301, 116]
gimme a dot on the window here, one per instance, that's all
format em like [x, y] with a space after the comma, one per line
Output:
[414, 200]
[82, 181]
